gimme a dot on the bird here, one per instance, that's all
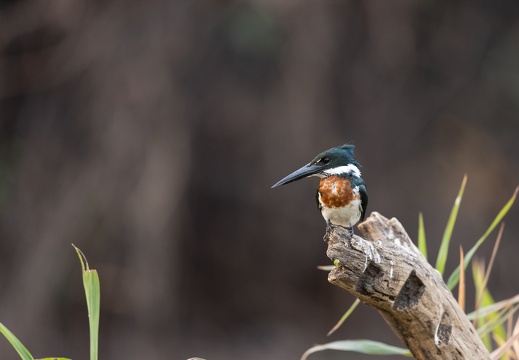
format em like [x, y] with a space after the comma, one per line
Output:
[342, 195]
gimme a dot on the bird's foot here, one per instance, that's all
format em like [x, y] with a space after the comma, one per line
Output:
[329, 228]
[350, 229]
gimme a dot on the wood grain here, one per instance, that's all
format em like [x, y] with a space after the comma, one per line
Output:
[386, 271]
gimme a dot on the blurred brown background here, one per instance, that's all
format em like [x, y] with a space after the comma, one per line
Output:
[148, 133]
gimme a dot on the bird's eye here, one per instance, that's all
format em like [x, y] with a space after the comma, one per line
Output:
[325, 160]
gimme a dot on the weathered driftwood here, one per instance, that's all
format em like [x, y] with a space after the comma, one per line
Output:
[388, 272]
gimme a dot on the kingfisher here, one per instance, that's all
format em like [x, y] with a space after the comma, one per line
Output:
[341, 195]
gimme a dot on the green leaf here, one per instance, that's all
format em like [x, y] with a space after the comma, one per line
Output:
[326, 267]
[361, 346]
[495, 325]
[477, 274]
[444, 247]
[93, 299]
[54, 358]
[455, 276]
[18, 346]
[494, 307]
[422, 244]
[92, 291]
[493, 321]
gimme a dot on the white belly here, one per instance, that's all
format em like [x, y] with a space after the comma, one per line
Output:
[346, 216]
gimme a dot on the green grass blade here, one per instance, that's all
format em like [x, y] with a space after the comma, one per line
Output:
[484, 311]
[477, 275]
[93, 299]
[344, 317]
[18, 346]
[92, 291]
[493, 321]
[54, 358]
[422, 244]
[326, 267]
[495, 325]
[455, 276]
[462, 287]
[444, 247]
[360, 346]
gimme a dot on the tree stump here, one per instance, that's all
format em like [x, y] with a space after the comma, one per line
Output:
[387, 271]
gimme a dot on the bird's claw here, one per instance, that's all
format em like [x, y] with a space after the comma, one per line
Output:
[350, 229]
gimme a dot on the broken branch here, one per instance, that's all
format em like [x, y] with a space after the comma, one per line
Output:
[386, 271]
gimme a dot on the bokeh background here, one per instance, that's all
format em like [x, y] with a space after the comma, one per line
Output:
[149, 133]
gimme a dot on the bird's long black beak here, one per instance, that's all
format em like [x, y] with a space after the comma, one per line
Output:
[307, 170]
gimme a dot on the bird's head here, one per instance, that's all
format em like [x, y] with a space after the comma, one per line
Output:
[335, 161]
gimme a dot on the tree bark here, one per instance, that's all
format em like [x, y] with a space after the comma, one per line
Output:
[386, 271]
